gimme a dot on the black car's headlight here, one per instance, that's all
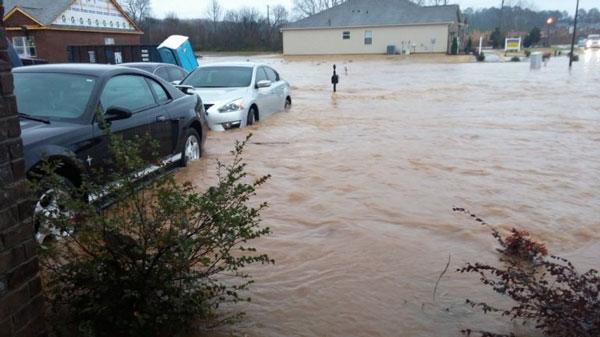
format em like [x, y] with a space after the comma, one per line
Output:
[236, 105]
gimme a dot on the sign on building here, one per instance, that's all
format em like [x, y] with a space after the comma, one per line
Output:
[513, 44]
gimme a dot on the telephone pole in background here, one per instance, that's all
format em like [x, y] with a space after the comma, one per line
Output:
[501, 16]
[574, 36]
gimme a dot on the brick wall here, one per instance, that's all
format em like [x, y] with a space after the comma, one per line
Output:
[18, 20]
[21, 300]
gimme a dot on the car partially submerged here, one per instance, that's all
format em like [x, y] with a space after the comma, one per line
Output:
[168, 72]
[238, 94]
[593, 41]
[60, 106]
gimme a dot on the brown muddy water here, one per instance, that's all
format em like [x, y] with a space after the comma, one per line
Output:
[364, 183]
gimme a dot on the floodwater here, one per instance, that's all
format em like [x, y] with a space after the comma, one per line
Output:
[364, 183]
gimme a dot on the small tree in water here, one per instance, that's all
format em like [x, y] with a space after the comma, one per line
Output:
[159, 258]
[549, 293]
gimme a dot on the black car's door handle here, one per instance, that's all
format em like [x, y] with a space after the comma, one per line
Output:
[161, 118]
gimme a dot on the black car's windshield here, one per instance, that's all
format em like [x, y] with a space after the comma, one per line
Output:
[53, 95]
[220, 77]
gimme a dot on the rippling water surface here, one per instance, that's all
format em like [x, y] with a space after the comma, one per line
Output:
[364, 182]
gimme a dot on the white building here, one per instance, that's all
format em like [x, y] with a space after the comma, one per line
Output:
[372, 26]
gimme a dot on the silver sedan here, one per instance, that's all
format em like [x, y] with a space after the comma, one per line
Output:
[238, 94]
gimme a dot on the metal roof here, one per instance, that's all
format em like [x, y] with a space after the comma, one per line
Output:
[368, 13]
[44, 11]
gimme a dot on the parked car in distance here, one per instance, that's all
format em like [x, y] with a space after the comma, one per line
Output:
[168, 72]
[238, 94]
[593, 41]
[58, 108]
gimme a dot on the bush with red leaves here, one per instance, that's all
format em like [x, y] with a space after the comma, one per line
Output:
[519, 245]
[549, 293]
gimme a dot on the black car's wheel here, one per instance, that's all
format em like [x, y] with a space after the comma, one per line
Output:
[51, 210]
[251, 116]
[192, 148]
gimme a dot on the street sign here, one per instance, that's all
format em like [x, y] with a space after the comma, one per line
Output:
[513, 44]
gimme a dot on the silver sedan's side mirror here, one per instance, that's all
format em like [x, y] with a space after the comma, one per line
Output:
[263, 84]
[176, 83]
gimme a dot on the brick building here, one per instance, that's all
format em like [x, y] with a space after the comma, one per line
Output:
[44, 28]
[21, 299]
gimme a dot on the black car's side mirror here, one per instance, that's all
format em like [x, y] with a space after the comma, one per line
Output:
[115, 113]
[186, 89]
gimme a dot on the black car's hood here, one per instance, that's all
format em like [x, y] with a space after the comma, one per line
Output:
[33, 132]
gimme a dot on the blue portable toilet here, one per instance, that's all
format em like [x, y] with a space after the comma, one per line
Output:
[177, 49]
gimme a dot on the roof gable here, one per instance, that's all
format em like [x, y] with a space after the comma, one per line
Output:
[364, 13]
[18, 18]
[87, 14]
[97, 14]
[42, 11]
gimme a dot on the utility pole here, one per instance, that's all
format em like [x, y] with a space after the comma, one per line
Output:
[269, 15]
[501, 15]
[574, 36]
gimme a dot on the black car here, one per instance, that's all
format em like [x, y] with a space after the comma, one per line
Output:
[168, 72]
[58, 106]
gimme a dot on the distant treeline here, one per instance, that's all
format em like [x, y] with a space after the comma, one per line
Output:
[524, 19]
[244, 30]
[249, 30]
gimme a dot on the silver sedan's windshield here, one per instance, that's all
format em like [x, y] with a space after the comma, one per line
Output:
[53, 95]
[220, 77]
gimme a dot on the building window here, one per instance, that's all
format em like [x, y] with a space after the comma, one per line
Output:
[64, 19]
[81, 21]
[25, 46]
[346, 35]
[92, 56]
[73, 20]
[368, 37]
[89, 22]
[109, 41]
[97, 22]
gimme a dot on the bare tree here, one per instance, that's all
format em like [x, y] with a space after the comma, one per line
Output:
[431, 2]
[232, 16]
[138, 10]
[249, 14]
[280, 15]
[214, 12]
[304, 8]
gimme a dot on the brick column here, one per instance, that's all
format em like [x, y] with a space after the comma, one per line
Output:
[21, 300]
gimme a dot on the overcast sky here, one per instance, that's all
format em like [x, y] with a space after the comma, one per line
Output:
[197, 8]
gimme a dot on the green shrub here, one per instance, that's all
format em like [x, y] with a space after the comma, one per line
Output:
[469, 45]
[454, 48]
[480, 57]
[533, 38]
[497, 39]
[159, 258]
